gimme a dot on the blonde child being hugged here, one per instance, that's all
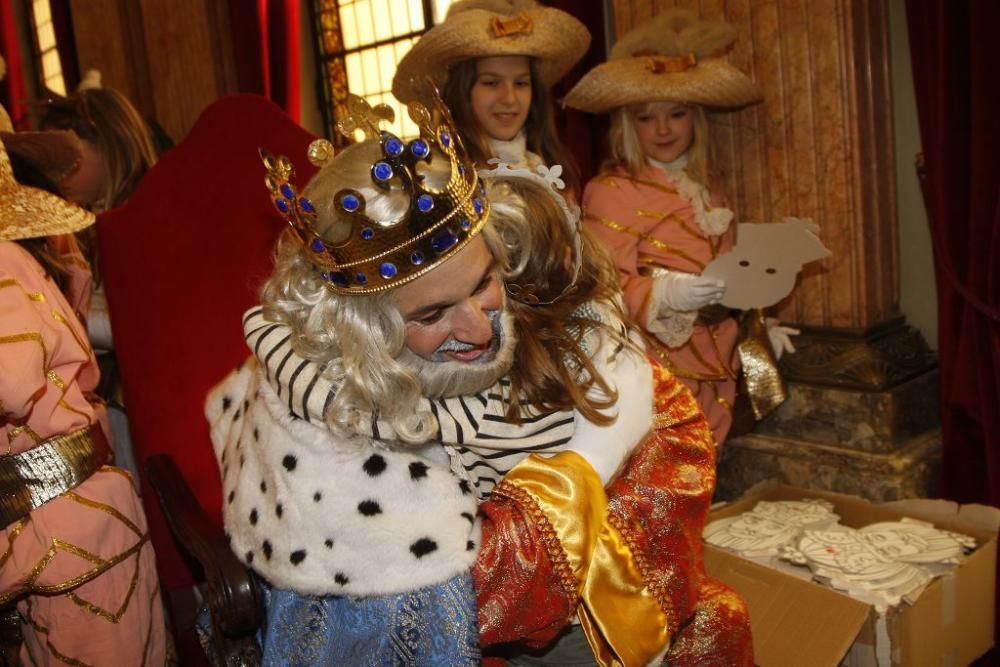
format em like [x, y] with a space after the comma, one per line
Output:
[653, 206]
[495, 62]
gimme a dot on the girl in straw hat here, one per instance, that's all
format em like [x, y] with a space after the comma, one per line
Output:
[495, 62]
[652, 206]
[75, 556]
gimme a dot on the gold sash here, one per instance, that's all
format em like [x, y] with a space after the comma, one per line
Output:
[34, 477]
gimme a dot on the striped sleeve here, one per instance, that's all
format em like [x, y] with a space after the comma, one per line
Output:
[477, 420]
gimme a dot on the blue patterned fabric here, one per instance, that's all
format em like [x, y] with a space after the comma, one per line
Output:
[434, 626]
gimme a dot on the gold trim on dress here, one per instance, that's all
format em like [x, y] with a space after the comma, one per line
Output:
[642, 236]
[673, 217]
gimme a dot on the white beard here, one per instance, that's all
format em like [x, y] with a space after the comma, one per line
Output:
[443, 379]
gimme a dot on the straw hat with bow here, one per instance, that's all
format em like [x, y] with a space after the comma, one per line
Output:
[675, 57]
[484, 28]
[27, 212]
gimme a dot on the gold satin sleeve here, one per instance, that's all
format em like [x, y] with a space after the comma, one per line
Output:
[571, 496]
[619, 614]
[622, 620]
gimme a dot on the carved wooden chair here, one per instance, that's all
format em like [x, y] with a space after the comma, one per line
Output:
[181, 262]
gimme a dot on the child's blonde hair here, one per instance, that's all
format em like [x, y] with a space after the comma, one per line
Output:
[627, 153]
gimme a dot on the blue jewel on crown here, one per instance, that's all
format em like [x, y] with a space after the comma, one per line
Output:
[425, 203]
[350, 203]
[443, 240]
[393, 146]
[388, 270]
[382, 172]
[420, 148]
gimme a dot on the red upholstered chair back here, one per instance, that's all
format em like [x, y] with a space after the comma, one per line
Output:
[182, 260]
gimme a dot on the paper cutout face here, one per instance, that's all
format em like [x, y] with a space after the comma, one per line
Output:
[761, 268]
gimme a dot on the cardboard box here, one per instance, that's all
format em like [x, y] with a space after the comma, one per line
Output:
[799, 622]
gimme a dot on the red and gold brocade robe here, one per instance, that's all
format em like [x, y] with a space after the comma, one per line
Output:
[628, 559]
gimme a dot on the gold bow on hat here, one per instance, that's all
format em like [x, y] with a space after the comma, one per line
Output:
[661, 65]
[518, 25]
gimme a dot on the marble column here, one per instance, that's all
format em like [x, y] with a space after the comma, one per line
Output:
[862, 412]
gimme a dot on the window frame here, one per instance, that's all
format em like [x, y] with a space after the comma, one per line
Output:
[332, 63]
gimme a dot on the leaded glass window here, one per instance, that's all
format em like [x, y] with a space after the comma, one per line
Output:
[360, 42]
[46, 53]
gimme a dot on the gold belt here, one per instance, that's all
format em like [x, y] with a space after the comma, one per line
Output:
[32, 478]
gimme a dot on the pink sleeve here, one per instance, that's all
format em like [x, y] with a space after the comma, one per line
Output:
[22, 347]
[603, 204]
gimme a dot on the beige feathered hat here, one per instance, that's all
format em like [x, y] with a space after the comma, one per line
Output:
[484, 28]
[27, 212]
[675, 57]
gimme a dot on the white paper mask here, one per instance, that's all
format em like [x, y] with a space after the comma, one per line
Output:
[761, 268]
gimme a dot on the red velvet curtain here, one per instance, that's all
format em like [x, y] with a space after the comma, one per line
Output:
[12, 94]
[955, 71]
[269, 28]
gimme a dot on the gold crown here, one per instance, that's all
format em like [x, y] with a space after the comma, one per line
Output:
[377, 254]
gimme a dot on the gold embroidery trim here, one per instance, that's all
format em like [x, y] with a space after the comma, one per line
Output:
[61, 319]
[13, 282]
[97, 610]
[100, 566]
[34, 477]
[681, 222]
[65, 659]
[642, 236]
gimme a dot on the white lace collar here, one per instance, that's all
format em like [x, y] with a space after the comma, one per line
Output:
[679, 163]
[713, 221]
[515, 153]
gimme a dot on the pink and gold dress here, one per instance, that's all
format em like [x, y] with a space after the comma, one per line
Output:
[663, 220]
[75, 555]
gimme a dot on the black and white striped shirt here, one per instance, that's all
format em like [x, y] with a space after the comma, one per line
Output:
[474, 428]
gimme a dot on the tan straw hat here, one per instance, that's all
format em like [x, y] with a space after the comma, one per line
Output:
[26, 212]
[675, 57]
[484, 28]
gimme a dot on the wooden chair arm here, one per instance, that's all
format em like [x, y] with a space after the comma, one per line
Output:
[233, 598]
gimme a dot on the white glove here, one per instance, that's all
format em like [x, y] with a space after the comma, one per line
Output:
[606, 448]
[688, 291]
[780, 336]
